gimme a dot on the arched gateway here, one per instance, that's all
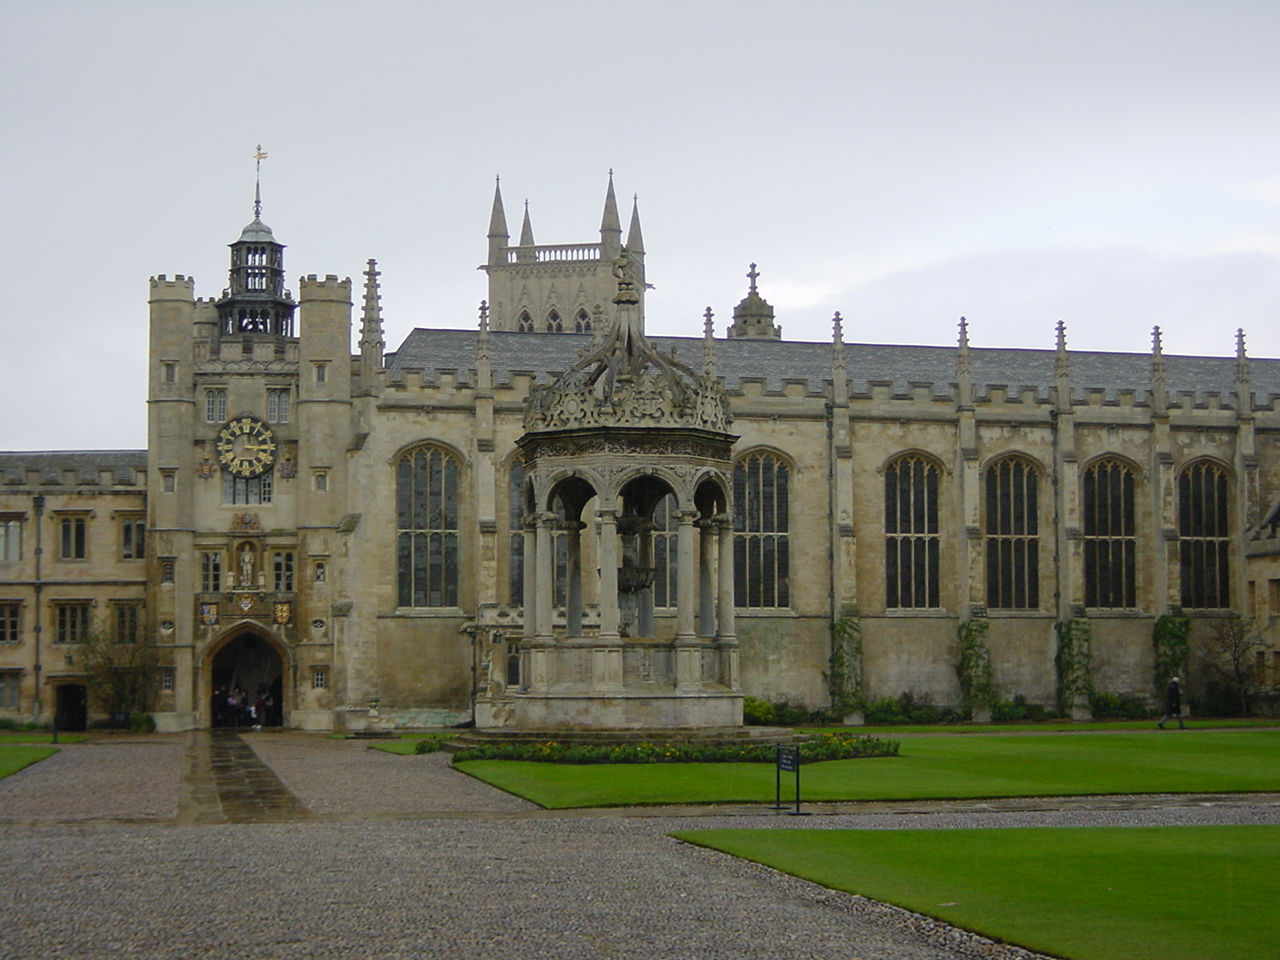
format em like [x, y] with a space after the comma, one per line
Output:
[626, 452]
[246, 681]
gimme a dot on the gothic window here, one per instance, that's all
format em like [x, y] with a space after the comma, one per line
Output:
[1204, 537]
[72, 621]
[1013, 542]
[128, 621]
[1110, 537]
[427, 508]
[215, 406]
[10, 540]
[524, 324]
[133, 535]
[10, 621]
[582, 322]
[73, 530]
[761, 542]
[664, 552]
[912, 541]
[284, 572]
[247, 489]
[278, 406]
[554, 323]
[210, 572]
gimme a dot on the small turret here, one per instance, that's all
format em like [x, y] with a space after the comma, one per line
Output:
[256, 301]
[753, 316]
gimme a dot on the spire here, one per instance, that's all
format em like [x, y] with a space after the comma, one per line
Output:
[526, 228]
[255, 300]
[635, 242]
[1159, 383]
[610, 225]
[498, 235]
[964, 367]
[371, 341]
[484, 353]
[708, 344]
[1243, 374]
[839, 376]
[1062, 369]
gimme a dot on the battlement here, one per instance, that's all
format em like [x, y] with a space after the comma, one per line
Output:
[311, 287]
[179, 288]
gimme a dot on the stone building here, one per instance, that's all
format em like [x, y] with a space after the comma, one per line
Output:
[524, 518]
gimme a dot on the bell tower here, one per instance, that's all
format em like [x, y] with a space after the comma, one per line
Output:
[256, 301]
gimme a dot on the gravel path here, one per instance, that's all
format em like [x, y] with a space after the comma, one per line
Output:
[402, 857]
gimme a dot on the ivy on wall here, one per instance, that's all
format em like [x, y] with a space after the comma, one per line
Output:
[977, 691]
[1169, 637]
[1074, 662]
[844, 678]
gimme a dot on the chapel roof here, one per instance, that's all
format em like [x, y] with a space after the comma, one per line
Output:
[544, 355]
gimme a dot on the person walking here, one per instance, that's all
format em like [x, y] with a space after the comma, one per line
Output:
[1172, 704]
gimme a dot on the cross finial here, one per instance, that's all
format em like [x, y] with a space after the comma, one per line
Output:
[752, 274]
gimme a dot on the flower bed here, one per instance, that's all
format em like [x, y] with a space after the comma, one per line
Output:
[825, 746]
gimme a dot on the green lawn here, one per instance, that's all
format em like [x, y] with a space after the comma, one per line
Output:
[929, 767]
[36, 736]
[16, 756]
[1087, 893]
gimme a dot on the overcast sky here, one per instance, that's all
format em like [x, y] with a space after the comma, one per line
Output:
[1114, 164]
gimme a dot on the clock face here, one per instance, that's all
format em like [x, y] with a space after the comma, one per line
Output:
[246, 447]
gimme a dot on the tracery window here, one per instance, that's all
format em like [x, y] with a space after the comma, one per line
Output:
[427, 510]
[524, 324]
[278, 406]
[1110, 537]
[554, 323]
[1204, 537]
[582, 322]
[761, 524]
[1013, 541]
[215, 406]
[515, 534]
[912, 541]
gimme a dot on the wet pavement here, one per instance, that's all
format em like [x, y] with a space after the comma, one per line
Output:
[279, 844]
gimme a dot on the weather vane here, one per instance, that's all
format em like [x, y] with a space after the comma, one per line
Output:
[258, 155]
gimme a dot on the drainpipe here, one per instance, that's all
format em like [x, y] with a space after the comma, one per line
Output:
[37, 502]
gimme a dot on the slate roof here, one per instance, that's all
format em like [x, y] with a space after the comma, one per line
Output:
[544, 355]
[52, 464]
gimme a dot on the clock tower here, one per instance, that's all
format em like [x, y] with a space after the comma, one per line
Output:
[249, 422]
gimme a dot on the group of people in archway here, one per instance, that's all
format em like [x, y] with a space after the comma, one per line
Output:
[234, 707]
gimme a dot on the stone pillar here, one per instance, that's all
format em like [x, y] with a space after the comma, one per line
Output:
[726, 637]
[573, 589]
[707, 586]
[686, 592]
[545, 578]
[644, 599]
[608, 558]
[529, 571]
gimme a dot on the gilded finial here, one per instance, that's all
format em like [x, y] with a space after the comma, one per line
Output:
[258, 156]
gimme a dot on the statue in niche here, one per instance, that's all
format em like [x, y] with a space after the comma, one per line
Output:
[246, 566]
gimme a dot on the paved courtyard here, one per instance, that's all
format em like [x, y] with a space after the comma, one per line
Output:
[290, 845]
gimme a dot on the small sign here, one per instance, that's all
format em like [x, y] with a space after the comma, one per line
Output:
[788, 758]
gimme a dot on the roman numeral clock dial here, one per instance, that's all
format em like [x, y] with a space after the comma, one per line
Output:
[246, 447]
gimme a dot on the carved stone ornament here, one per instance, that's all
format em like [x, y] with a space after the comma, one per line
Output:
[624, 381]
[245, 523]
